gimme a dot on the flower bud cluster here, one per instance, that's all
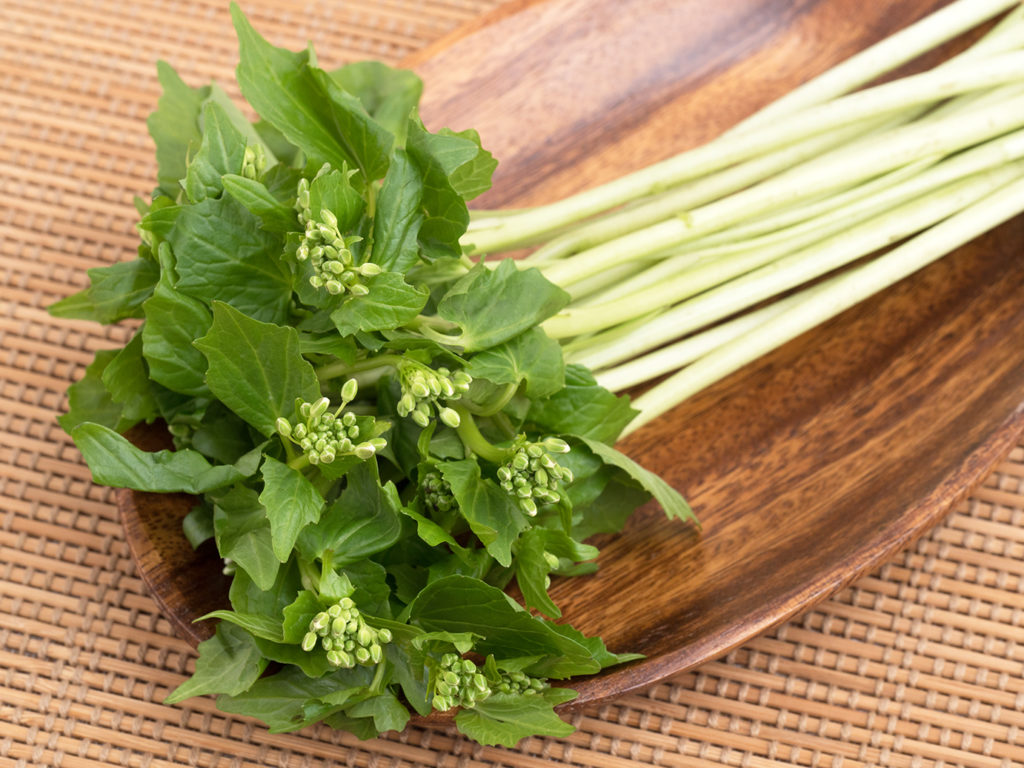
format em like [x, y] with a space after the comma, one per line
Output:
[520, 683]
[437, 493]
[426, 390]
[325, 435]
[253, 161]
[345, 635]
[532, 476]
[327, 250]
[459, 683]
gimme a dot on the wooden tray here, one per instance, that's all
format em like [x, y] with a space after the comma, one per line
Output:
[807, 468]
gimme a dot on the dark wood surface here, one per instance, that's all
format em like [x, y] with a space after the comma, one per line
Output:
[807, 468]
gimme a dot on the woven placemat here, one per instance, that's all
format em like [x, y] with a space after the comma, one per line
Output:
[920, 664]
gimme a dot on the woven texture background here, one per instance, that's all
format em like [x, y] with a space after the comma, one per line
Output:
[920, 664]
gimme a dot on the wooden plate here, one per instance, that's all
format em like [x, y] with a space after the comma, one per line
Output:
[807, 468]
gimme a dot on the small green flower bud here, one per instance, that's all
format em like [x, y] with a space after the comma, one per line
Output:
[420, 418]
[364, 451]
[362, 655]
[319, 408]
[328, 643]
[333, 287]
[529, 506]
[556, 445]
[329, 218]
[349, 419]
[450, 417]
[283, 426]
[327, 456]
[419, 387]
[346, 604]
[376, 653]
[334, 267]
[520, 461]
[316, 281]
[365, 635]
[349, 391]
[379, 443]
[504, 474]
[335, 610]
[450, 677]
[320, 621]
[338, 626]
[309, 641]
[369, 269]
[384, 635]
[551, 560]
[449, 660]
[442, 703]
[359, 290]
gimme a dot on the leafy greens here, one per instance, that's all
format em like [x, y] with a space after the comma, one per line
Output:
[382, 435]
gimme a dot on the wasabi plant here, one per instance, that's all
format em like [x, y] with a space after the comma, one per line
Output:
[385, 429]
[378, 445]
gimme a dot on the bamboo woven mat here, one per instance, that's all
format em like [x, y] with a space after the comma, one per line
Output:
[920, 664]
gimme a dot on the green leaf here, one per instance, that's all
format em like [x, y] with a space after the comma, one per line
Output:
[116, 462]
[505, 719]
[221, 151]
[390, 303]
[309, 109]
[445, 213]
[274, 215]
[389, 95]
[526, 299]
[469, 166]
[243, 534]
[89, 400]
[396, 225]
[266, 627]
[297, 616]
[286, 701]
[256, 368]
[465, 604]
[669, 498]
[364, 520]
[531, 356]
[386, 710]
[291, 502]
[333, 191]
[532, 567]
[126, 378]
[584, 408]
[173, 321]
[492, 515]
[229, 662]
[116, 292]
[174, 127]
[223, 255]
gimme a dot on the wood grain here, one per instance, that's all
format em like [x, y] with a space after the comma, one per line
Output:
[808, 467]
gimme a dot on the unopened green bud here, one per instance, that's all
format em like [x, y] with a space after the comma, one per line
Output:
[376, 653]
[450, 417]
[338, 626]
[362, 655]
[442, 703]
[365, 635]
[333, 287]
[346, 604]
[283, 426]
[379, 443]
[529, 506]
[309, 641]
[320, 621]
[384, 635]
[551, 560]
[369, 269]
[556, 445]
[328, 643]
[364, 451]
[349, 391]
[358, 289]
[421, 418]
[329, 218]
[327, 455]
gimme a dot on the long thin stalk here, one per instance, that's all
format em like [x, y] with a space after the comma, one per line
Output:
[837, 170]
[800, 267]
[766, 249]
[833, 297]
[730, 148]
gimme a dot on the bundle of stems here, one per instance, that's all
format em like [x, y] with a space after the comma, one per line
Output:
[693, 267]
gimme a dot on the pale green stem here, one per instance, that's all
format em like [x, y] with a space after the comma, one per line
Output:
[674, 356]
[888, 54]
[839, 169]
[757, 251]
[833, 297]
[801, 267]
[729, 149]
